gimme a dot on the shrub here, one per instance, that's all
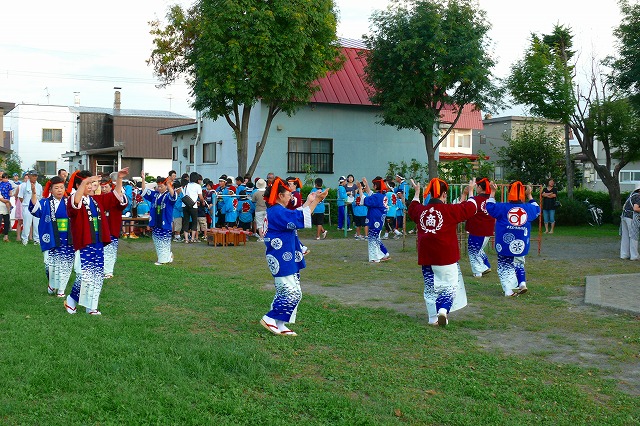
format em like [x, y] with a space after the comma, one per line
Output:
[572, 212]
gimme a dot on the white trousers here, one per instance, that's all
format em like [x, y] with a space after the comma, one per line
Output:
[29, 220]
[629, 241]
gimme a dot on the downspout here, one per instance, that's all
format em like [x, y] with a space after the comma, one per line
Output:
[198, 136]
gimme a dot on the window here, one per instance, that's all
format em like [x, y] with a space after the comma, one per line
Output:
[52, 135]
[46, 167]
[209, 153]
[464, 141]
[629, 176]
[498, 172]
[104, 167]
[174, 155]
[191, 153]
[307, 154]
[483, 139]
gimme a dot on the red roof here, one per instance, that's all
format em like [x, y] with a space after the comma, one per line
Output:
[347, 87]
[451, 156]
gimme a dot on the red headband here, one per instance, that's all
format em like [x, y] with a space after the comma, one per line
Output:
[487, 182]
[297, 181]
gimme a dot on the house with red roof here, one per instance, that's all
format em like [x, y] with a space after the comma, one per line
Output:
[336, 133]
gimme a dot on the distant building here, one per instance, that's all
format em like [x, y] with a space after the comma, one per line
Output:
[102, 140]
[336, 133]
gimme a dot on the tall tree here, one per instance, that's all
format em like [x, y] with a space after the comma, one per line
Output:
[533, 155]
[543, 81]
[234, 53]
[426, 55]
[627, 64]
[616, 128]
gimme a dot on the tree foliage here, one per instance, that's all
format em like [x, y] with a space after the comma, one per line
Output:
[627, 64]
[460, 171]
[13, 164]
[424, 56]
[533, 155]
[234, 53]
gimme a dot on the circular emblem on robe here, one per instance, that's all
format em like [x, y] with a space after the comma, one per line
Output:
[516, 246]
[274, 265]
[483, 206]
[431, 220]
[46, 238]
[47, 218]
[287, 256]
[376, 225]
[291, 225]
[276, 243]
[366, 221]
[508, 237]
[498, 247]
[517, 216]
[299, 256]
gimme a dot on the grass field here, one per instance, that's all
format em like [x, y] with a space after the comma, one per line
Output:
[182, 344]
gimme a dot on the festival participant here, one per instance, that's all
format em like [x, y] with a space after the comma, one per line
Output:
[360, 215]
[260, 207]
[295, 186]
[53, 228]
[438, 250]
[162, 200]
[513, 232]
[480, 228]
[6, 188]
[317, 215]
[245, 211]
[90, 231]
[342, 204]
[283, 253]
[114, 217]
[376, 203]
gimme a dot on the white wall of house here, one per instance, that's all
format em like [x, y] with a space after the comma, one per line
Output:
[360, 145]
[28, 123]
[629, 175]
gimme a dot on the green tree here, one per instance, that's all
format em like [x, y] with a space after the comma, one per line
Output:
[236, 53]
[13, 164]
[616, 127]
[533, 155]
[627, 64]
[426, 55]
[543, 81]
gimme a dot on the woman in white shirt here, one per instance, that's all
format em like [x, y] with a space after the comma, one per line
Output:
[190, 213]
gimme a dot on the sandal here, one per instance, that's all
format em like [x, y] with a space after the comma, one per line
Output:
[69, 308]
[287, 332]
[95, 312]
[60, 295]
[272, 328]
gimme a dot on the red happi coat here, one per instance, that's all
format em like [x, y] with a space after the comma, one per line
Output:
[481, 224]
[115, 217]
[437, 225]
[81, 229]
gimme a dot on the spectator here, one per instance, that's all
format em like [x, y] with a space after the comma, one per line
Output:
[630, 226]
[261, 207]
[30, 223]
[549, 198]
[317, 216]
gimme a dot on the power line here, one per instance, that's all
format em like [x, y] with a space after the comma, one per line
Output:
[85, 77]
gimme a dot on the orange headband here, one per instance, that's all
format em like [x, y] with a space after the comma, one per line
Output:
[274, 190]
[383, 186]
[516, 191]
[297, 181]
[45, 191]
[486, 181]
[72, 179]
[435, 188]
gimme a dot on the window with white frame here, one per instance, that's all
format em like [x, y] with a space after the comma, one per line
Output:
[46, 167]
[629, 176]
[209, 152]
[104, 167]
[52, 135]
[464, 141]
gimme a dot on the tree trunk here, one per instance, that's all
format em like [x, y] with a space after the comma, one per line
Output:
[431, 154]
[273, 111]
[612, 184]
[568, 162]
[242, 142]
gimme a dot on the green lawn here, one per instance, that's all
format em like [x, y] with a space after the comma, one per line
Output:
[182, 345]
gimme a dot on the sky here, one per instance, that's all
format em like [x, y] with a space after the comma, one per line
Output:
[50, 50]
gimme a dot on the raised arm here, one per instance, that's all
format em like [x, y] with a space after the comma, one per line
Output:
[315, 198]
[416, 188]
[77, 198]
